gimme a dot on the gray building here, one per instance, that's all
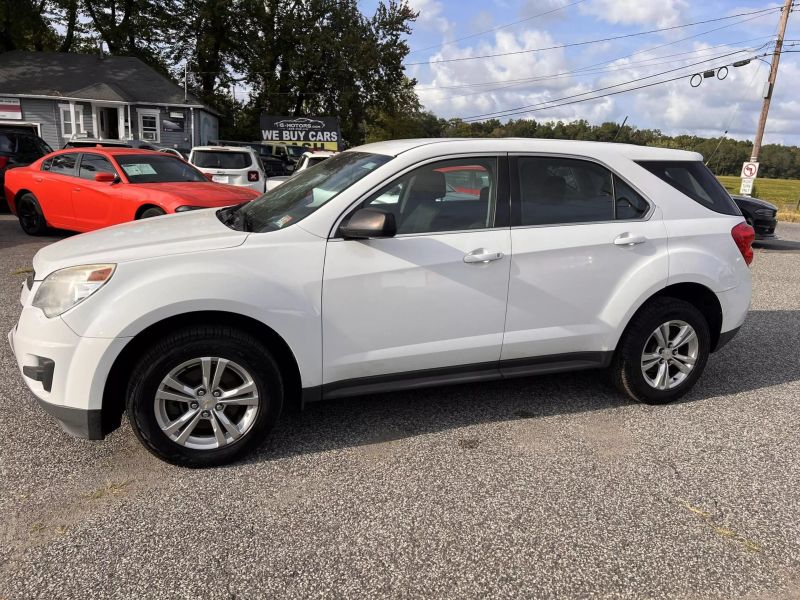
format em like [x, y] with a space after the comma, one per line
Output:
[71, 96]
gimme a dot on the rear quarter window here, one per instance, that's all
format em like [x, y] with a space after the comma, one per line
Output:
[695, 180]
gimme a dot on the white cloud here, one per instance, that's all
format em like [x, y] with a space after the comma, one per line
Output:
[661, 13]
[431, 15]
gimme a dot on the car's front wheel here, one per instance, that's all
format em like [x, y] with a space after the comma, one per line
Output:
[203, 396]
[662, 352]
[153, 211]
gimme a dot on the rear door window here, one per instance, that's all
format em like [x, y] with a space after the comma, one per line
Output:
[555, 190]
[63, 164]
[693, 179]
[209, 159]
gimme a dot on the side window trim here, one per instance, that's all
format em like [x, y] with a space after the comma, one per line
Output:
[516, 200]
[503, 188]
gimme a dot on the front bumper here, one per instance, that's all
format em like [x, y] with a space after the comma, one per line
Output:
[764, 227]
[66, 372]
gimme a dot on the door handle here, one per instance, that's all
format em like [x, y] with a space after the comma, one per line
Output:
[76, 189]
[626, 239]
[482, 255]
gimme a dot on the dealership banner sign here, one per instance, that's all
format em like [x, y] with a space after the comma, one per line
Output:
[313, 132]
[10, 108]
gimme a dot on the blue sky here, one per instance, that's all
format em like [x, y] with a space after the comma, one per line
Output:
[466, 88]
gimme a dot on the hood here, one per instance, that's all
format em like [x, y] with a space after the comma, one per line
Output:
[201, 193]
[194, 231]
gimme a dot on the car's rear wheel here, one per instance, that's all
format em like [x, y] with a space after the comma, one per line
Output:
[31, 217]
[153, 211]
[662, 352]
[203, 396]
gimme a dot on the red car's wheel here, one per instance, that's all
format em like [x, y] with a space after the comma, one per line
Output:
[31, 217]
[153, 211]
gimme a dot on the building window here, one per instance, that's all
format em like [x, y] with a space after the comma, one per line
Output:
[148, 125]
[68, 128]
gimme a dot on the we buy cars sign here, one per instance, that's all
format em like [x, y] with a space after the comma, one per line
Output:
[312, 132]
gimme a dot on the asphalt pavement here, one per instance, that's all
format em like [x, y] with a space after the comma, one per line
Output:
[550, 487]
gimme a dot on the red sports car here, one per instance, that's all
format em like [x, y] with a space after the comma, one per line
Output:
[89, 188]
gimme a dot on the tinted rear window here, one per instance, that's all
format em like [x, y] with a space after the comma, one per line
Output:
[222, 160]
[693, 179]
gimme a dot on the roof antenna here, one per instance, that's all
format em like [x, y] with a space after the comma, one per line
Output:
[616, 135]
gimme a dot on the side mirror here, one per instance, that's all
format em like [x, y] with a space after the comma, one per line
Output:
[209, 176]
[105, 177]
[368, 223]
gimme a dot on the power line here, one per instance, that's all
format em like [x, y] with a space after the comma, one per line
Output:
[611, 71]
[499, 113]
[480, 33]
[532, 107]
[594, 68]
[596, 41]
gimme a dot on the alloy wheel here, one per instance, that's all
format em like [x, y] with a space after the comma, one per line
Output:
[28, 216]
[669, 355]
[206, 403]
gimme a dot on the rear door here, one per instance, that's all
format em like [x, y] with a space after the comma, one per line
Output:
[587, 245]
[93, 202]
[53, 188]
[431, 301]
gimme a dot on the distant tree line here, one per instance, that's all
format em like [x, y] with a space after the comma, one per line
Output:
[307, 58]
[724, 155]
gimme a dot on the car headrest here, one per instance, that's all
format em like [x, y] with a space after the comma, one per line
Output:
[429, 185]
[484, 195]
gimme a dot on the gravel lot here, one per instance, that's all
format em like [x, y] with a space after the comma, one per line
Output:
[547, 487]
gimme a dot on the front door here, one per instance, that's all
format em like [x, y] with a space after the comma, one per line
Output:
[587, 246]
[92, 201]
[432, 299]
[108, 123]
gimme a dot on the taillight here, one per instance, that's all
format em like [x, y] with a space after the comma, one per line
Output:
[744, 235]
[252, 176]
[3, 162]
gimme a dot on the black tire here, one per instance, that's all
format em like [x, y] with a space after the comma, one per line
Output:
[153, 211]
[626, 367]
[31, 217]
[186, 345]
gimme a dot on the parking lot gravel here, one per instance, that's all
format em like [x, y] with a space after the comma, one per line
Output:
[549, 487]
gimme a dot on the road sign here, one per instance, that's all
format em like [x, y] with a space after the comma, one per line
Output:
[749, 170]
[747, 186]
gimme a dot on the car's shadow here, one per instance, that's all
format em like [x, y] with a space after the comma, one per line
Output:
[777, 244]
[760, 357]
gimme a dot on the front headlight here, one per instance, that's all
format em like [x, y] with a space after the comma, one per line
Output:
[63, 289]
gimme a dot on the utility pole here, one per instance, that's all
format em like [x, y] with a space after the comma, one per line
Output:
[185, 82]
[773, 74]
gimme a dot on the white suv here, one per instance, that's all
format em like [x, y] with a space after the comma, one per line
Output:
[392, 266]
[234, 165]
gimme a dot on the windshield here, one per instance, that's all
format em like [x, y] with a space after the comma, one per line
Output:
[302, 194]
[221, 159]
[297, 151]
[157, 168]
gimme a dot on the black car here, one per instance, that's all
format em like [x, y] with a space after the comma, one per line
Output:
[19, 146]
[759, 214]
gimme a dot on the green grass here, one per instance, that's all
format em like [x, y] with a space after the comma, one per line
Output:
[784, 193]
